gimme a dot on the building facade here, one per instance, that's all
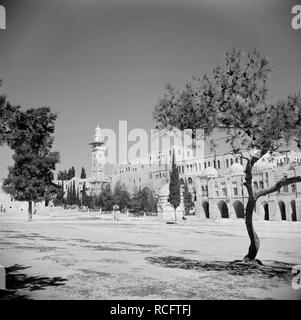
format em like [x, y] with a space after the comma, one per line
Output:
[216, 183]
[214, 180]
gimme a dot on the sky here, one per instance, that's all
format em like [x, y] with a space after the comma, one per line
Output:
[99, 62]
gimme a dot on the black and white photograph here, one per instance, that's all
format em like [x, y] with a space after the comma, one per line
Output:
[150, 150]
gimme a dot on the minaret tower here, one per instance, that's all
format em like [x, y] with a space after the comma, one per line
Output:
[98, 149]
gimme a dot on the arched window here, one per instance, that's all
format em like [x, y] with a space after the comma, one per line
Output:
[224, 189]
[261, 186]
[255, 186]
[227, 163]
[218, 164]
[216, 189]
[235, 189]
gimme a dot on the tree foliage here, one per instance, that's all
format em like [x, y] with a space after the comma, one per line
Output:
[29, 134]
[174, 187]
[71, 173]
[144, 200]
[62, 175]
[83, 174]
[187, 199]
[121, 196]
[235, 100]
[106, 198]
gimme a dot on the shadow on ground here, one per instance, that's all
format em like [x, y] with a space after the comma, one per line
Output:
[269, 269]
[17, 281]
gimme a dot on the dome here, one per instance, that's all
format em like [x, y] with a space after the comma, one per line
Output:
[210, 172]
[262, 165]
[237, 169]
[164, 191]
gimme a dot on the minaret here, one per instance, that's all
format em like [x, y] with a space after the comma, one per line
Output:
[98, 149]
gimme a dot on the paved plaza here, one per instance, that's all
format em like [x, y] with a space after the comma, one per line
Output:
[91, 256]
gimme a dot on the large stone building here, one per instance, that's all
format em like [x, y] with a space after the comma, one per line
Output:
[214, 180]
[223, 195]
[216, 183]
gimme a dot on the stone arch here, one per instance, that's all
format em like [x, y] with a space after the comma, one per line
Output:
[223, 208]
[181, 181]
[294, 211]
[266, 211]
[282, 209]
[189, 180]
[239, 209]
[205, 205]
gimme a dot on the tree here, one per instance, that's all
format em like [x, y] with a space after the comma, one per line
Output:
[90, 202]
[235, 100]
[62, 175]
[78, 198]
[174, 187]
[121, 196]
[69, 195]
[135, 201]
[152, 201]
[73, 194]
[59, 198]
[83, 173]
[187, 199]
[148, 201]
[29, 134]
[8, 114]
[84, 195]
[107, 198]
[71, 173]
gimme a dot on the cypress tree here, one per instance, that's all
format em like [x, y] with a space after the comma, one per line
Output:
[73, 193]
[84, 195]
[83, 174]
[187, 199]
[69, 194]
[174, 187]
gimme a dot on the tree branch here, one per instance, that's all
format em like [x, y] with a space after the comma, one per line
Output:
[282, 183]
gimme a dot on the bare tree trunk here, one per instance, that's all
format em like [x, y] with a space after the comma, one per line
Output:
[254, 239]
[29, 210]
[175, 215]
